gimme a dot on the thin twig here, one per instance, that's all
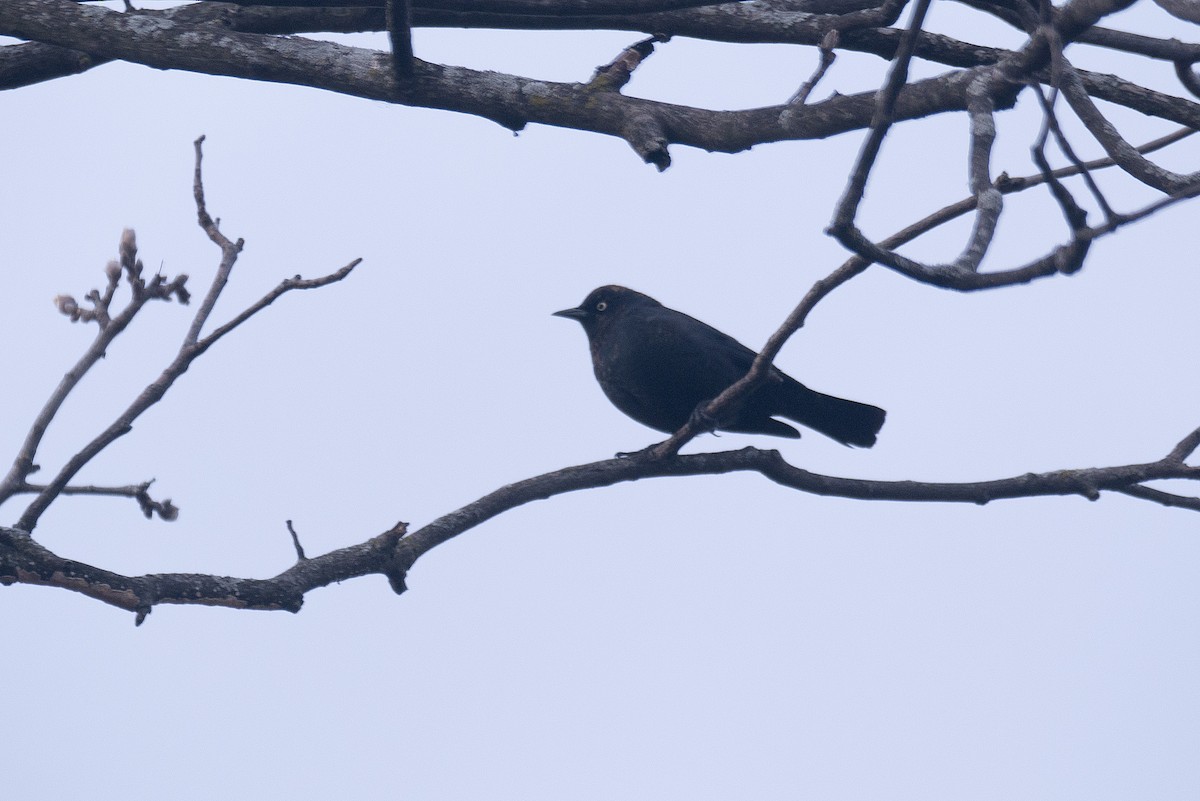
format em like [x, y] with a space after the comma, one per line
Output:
[284, 286]
[1051, 121]
[857, 264]
[1187, 76]
[616, 73]
[191, 349]
[1150, 209]
[229, 249]
[300, 557]
[1186, 447]
[1160, 497]
[1126, 156]
[762, 363]
[1076, 217]
[110, 328]
[165, 509]
[881, 121]
[828, 56]
[729, 398]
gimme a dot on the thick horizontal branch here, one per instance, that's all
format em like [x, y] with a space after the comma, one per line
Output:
[165, 43]
[34, 62]
[22, 560]
[548, 8]
[510, 100]
[733, 24]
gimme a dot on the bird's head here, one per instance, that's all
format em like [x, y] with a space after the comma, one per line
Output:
[604, 305]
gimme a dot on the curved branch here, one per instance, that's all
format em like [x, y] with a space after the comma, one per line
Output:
[139, 492]
[189, 351]
[111, 326]
[1182, 9]
[24, 64]
[212, 38]
[745, 23]
[1126, 156]
[512, 101]
[534, 8]
[25, 561]
[22, 560]
[1187, 76]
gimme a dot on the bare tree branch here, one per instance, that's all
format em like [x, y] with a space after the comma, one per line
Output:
[730, 22]
[250, 41]
[110, 328]
[1187, 76]
[828, 56]
[300, 557]
[511, 101]
[726, 402]
[392, 553]
[165, 509]
[154, 392]
[1114, 144]
[554, 8]
[1050, 125]
[1164, 498]
[881, 121]
[1186, 447]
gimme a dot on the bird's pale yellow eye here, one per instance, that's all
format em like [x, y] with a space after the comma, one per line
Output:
[601, 306]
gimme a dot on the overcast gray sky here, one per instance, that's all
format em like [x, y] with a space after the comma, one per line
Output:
[706, 638]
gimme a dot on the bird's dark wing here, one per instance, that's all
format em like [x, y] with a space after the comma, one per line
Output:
[725, 360]
[665, 363]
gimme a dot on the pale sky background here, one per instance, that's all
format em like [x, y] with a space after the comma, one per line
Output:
[705, 638]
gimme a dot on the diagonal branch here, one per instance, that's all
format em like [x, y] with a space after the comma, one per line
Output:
[283, 287]
[760, 369]
[167, 43]
[1126, 156]
[1186, 447]
[881, 122]
[229, 250]
[1050, 125]
[191, 349]
[550, 8]
[828, 56]
[728, 399]
[220, 38]
[1169, 499]
[110, 328]
[988, 83]
[139, 492]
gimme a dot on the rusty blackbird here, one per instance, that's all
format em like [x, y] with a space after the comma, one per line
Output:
[657, 365]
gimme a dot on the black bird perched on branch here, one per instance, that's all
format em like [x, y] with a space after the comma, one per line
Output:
[657, 365]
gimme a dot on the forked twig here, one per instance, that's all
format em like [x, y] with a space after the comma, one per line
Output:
[191, 348]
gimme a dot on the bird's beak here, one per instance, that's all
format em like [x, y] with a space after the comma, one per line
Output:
[572, 314]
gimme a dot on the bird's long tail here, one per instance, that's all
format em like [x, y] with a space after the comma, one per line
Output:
[849, 422]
